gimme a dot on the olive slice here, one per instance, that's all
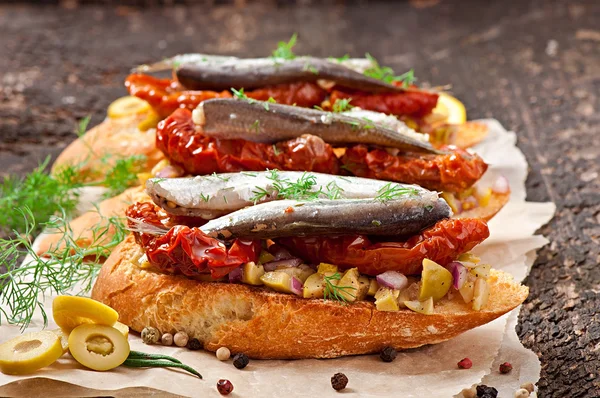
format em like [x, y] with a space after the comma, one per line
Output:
[72, 311]
[29, 352]
[121, 327]
[64, 339]
[98, 347]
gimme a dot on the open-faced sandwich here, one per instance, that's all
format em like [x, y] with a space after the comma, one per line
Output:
[302, 265]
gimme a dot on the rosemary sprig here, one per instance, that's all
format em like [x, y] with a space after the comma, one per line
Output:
[64, 266]
[284, 49]
[392, 191]
[386, 74]
[335, 292]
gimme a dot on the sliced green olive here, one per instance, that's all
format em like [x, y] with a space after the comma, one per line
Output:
[435, 281]
[29, 352]
[64, 338]
[72, 311]
[98, 347]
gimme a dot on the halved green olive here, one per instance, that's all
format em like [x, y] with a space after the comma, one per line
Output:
[29, 352]
[72, 311]
[98, 347]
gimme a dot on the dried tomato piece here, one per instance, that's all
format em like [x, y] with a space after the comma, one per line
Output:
[302, 94]
[453, 172]
[178, 139]
[407, 103]
[441, 243]
[189, 251]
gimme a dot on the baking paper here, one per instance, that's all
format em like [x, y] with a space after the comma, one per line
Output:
[429, 371]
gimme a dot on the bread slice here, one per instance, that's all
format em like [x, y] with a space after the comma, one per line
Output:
[118, 138]
[269, 325]
[496, 203]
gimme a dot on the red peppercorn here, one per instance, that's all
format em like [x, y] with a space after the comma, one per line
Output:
[224, 386]
[466, 363]
[506, 367]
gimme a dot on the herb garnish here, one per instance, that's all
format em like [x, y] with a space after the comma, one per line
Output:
[342, 105]
[256, 126]
[204, 197]
[284, 49]
[301, 189]
[335, 292]
[386, 74]
[391, 191]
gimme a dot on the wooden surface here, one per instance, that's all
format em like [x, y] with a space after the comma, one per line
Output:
[534, 65]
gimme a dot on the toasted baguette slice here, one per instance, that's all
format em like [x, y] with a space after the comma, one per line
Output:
[268, 325]
[83, 227]
[118, 138]
[468, 134]
[496, 203]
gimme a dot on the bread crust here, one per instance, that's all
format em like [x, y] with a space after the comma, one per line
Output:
[120, 138]
[269, 325]
[496, 203]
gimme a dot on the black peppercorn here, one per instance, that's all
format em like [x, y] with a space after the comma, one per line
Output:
[339, 381]
[240, 361]
[388, 354]
[194, 344]
[224, 386]
[484, 391]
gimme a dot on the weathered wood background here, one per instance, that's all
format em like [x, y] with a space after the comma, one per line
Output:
[534, 65]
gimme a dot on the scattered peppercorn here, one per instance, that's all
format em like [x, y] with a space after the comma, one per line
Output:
[240, 360]
[465, 363]
[194, 345]
[181, 339]
[223, 354]
[484, 391]
[167, 339]
[506, 367]
[388, 354]
[150, 335]
[224, 386]
[339, 381]
[521, 393]
[528, 386]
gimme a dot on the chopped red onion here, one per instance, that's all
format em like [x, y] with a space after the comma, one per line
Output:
[459, 274]
[273, 265]
[392, 279]
[279, 252]
[501, 186]
[169, 171]
[296, 286]
[235, 276]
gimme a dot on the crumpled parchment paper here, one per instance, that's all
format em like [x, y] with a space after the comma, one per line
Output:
[429, 371]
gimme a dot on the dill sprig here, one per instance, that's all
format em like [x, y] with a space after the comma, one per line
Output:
[386, 74]
[391, 191]
[284, 49]
[64, 266]
[342, 105]
[335, 292]
[301, 189]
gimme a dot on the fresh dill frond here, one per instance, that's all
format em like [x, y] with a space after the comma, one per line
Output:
[271, 100]
[310, 68]
[344, 57]
[391, 191]
[204, 197]
[220, 177]
[256, 126]
[301, 189]
[83, 125]
[342, 105]
[333, 191]
[284, 49]
[335, 292]
[386, 74]
[275, 150]
[123, 174]
[240, 94]
[247, 173]
[63, 267]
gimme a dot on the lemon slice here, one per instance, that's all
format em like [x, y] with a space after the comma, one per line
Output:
[126, 106]
[451, 108]
[71, 311]
[29, 352]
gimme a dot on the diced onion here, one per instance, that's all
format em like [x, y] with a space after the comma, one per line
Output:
[296, 286]
[392, 279]
[235, 276]
[273, 265]
[501, 186]
[280, 253]
[459, 274]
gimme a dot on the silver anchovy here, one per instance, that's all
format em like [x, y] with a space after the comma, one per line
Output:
[211, 196]
[258, 121]
[404, 216]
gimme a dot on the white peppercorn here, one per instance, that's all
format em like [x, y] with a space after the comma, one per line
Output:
[167, 339]
[528, 386]
[181, 339]
[521, 393]
[150, 335]
[469, 392]
[223, 354]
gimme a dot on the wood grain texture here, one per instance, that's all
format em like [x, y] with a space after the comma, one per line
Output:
[534, 65]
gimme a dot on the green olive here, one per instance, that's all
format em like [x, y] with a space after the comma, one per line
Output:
[98, 347]
[29, 352]
[435, 281]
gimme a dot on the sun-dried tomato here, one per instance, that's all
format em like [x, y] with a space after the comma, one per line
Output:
[302, 94]
[455, 171]
[178, 139]
[407, 103]
[189, 251]
[441, 243]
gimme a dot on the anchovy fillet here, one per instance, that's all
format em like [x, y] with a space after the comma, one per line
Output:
[404, 216]
[258, 121]
[211, 196]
